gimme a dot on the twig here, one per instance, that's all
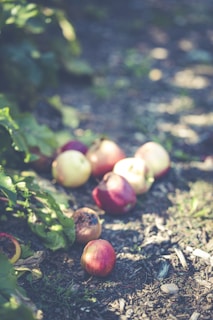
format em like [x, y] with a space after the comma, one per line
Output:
[181, 257]
[195, 315]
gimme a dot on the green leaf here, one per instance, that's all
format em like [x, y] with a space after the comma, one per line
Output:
[7, 187]
[36, 134]
[7, 278]
[52, 239]
[48, 221]
[78, 67]
[18, 139]
[70, 116]
[66, 27]
[14, 309]
[13, 302]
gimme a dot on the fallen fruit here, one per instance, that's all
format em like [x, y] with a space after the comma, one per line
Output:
[10, 246]
[73, 145]
[114, 194]
[136, 172]
[71, 168]
[103, 154]
[87, 225]
[98, 258]
[156, 157]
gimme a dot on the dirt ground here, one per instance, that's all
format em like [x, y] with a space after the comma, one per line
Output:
[152, 79]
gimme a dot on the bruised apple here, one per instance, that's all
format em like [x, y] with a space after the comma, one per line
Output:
[98, 258]
[71, 168]
[156, 156]
[10, 246]
[136, 172]
[87, 225]
[103, 154]
[114, 194]
[73, 145]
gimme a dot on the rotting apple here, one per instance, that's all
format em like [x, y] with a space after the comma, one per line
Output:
[136, 172]
[87, 225]
[73, 145]
[98, 258]
[156, 156]
[114, 194]
[71, 169]
[103, 154]
[10, 246]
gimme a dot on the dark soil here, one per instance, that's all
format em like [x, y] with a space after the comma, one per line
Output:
[152, 80]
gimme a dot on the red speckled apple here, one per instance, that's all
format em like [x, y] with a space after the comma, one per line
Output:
[87, 225]
[114, 194]
[156, 156]
[71, 168]
[73, 145]
[10, 246]
[103, 154]
[98, 258]
[136, 172]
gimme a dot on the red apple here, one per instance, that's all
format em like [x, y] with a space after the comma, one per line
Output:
[74, 145]
[103, 154]
[71, 168]
[10, 246]
[136, 172]
[156, 156]
[98, 258]
[114, 194]
[87, 225]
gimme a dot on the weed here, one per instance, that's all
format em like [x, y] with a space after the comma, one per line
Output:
[137, 63]
[54, 292]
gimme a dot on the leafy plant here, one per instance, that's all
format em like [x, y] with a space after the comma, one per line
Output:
[21, 134]
[37, 45]
[13, 301]
[30, 57]
[40, 205]
[42, 208]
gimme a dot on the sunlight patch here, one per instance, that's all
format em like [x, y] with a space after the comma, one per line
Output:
[155, 74]
[188, 79]
[159, 53]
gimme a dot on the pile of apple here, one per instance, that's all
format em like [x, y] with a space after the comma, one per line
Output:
[120, 180]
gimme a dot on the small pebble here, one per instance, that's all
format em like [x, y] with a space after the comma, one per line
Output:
[170, 288]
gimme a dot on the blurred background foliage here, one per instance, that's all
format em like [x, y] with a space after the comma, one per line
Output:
[37, 44]
[38, 48]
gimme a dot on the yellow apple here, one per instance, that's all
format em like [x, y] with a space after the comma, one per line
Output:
[136, 172]
[71, 169]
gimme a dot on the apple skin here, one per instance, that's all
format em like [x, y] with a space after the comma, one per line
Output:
[136, 172]
[87, 225]
[73, 145]
[103, 154]
[11, 240]
[71, 169]
[114, 194]
[98, 258]
[156, 157]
